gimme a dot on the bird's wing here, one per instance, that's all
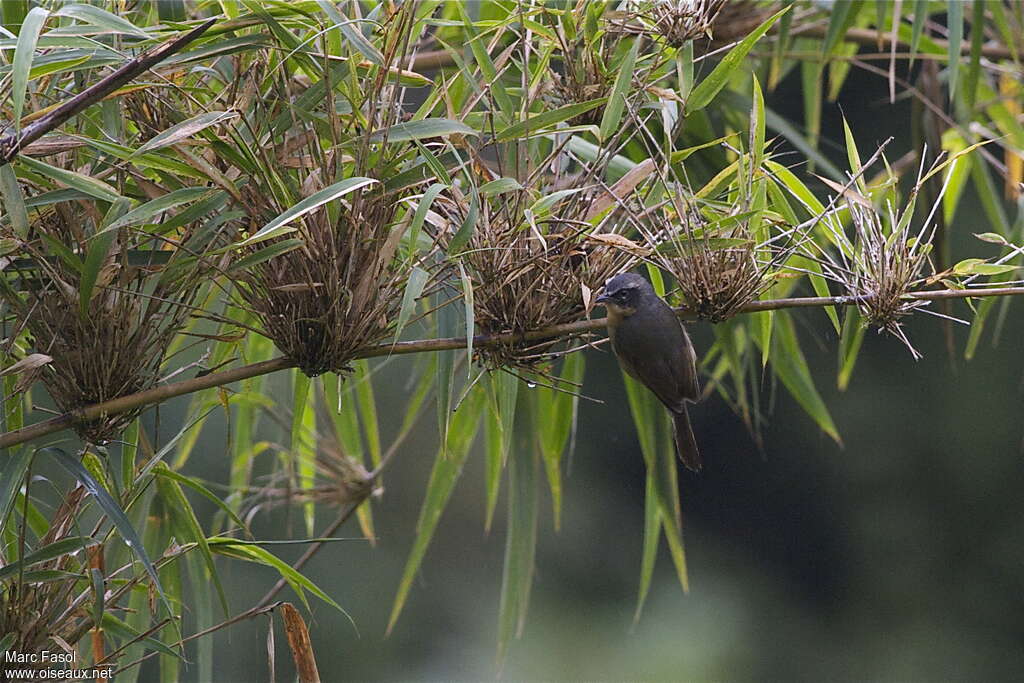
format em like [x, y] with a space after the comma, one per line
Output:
[686, 374]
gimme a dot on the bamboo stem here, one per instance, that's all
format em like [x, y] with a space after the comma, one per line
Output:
[188, 386]
[11, 145]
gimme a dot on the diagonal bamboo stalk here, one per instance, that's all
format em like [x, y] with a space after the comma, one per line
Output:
[12, 144]
[189, 386]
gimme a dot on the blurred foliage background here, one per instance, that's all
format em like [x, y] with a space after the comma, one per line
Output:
[497, 508]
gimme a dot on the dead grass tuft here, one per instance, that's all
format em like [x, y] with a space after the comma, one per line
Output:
[116, 342]
[533, 269]
[337, 293]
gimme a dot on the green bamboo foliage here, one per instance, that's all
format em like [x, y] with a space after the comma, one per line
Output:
[323, 178]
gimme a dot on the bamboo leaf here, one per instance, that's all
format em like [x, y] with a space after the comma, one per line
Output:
[265, 254]
[95, 256]
[850, 340]
[190, 528]
[163, 471]
[447, 468]
[120, 629]
[791, 368]
[12, 475]
[652, 534]
[424, 128]
[418, 218]
[101, 18]
[465, 232]
[352, 33]
[537, 123]
[66, 546]
[840, 19]
[363, 386]
[82, 183]
[500, 186]
[612, 115]
[184, 130]
[279, 225]
[14, 201]
[143, 213]
[520, 545]
[241, 550]
[302, 449]
[467, 299]
[555, 418]
[413, 289]
[920, 18]
[21, 65]
[116, 515]
[707, 89]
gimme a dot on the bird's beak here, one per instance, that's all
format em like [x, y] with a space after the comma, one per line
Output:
[601, 299]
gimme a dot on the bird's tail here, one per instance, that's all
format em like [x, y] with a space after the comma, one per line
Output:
[686, 444]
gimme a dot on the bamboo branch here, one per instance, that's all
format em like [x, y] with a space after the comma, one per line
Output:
[873, 37]
[12, 144]
[188, 386]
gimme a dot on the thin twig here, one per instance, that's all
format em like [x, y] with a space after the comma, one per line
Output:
[167, 391]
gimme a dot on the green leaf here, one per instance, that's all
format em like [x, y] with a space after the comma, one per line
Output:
[14, 201]
[279, 225]
[850, 341]
[65, 546]
[465, 232]
[652, 534]
[977, 266]
[413, 289]
[467, 300]
[120, 629]
[791, 368]
[190, 528]
[554, 424]
[302, 450]
[447, 326]
[265, 254]
[658, 447]
[21, 65]
[612, 115]
[418, 218]
[977, 39]
[352, 32]
[840, 19]
[95, 256]
[447, 468]
[142, 214]
[184, 130]
[541, 122]
[163, 471]
[243, 550]
[114, 513]
[920, 18]
[12, 475]
[707, 89]
[504, 395]
[424, 128]
[82, 183]
[520, 544]
[500, 186]
[101, 18]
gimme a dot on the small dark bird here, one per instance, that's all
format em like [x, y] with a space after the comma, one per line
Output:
[652, 346]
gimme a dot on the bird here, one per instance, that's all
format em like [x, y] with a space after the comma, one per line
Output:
[652, 347]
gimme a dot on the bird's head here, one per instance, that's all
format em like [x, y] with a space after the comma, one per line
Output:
[623, 294]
